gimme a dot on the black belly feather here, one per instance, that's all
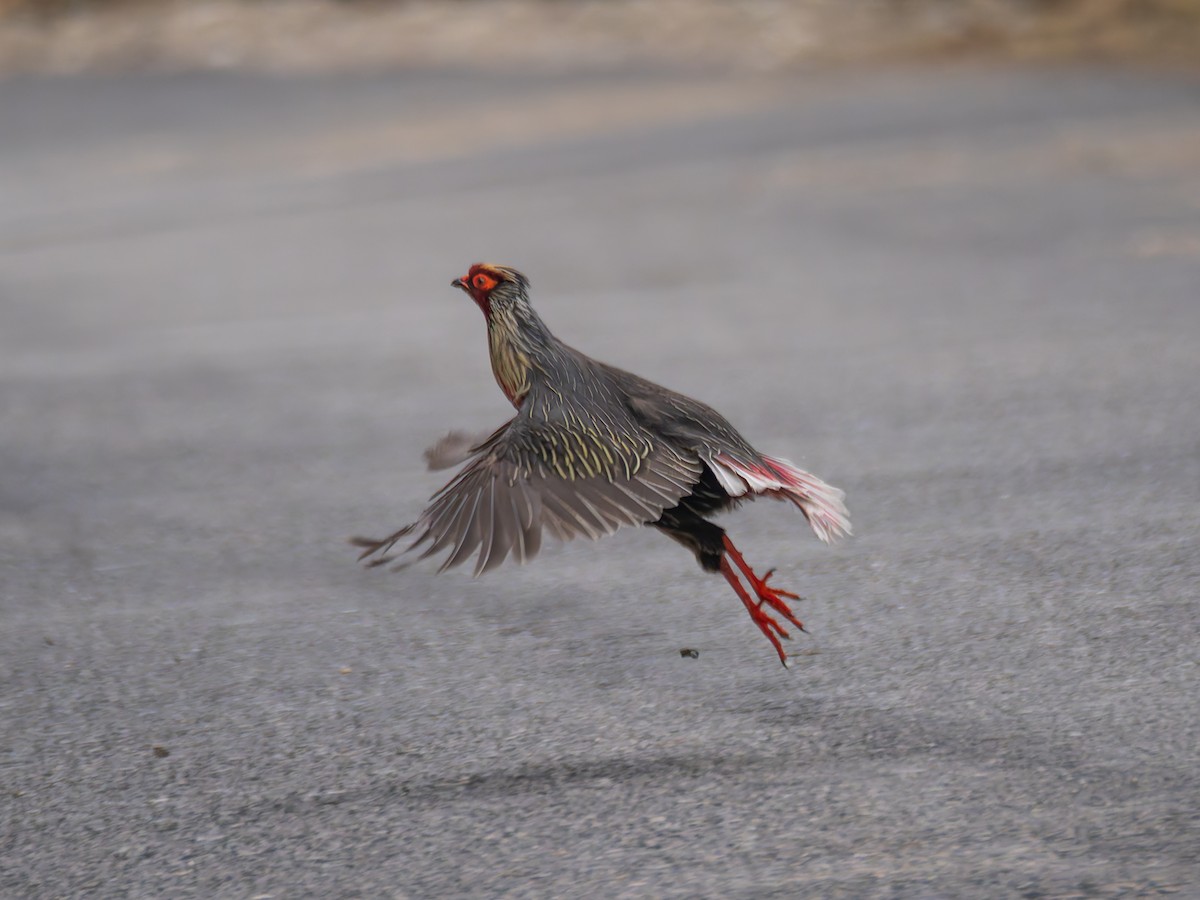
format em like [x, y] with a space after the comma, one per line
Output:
[686, 524]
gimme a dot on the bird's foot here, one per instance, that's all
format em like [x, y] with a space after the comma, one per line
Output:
[772, 598]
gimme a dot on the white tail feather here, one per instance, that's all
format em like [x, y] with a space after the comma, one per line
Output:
[822, 504]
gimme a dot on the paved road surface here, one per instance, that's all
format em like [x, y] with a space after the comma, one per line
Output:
[970, 298]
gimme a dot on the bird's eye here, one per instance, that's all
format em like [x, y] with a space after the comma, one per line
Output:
[483, 282]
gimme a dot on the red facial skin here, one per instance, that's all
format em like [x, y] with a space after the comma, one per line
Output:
[479, 282]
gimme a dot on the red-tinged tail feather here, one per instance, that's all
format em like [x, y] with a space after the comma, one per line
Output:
[822, 504]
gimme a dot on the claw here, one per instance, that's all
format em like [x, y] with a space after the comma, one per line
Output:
[765, 595]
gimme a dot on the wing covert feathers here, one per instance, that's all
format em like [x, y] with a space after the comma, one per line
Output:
[515, 488]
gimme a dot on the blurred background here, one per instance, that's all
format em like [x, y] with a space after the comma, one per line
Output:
[944, 254]
[324, 35]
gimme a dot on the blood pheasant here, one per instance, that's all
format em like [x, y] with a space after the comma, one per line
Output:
[593, 448]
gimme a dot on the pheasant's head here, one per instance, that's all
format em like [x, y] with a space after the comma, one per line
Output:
[494, 287]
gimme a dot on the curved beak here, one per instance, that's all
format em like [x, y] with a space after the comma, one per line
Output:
[458, 283]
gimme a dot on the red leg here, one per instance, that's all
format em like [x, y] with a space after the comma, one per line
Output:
[772, 597]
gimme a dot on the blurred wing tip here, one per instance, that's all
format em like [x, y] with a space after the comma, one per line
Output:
[452, 449]
[372, 546]
[368, 545]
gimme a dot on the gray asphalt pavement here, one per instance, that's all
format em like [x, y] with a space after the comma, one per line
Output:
[970, 298]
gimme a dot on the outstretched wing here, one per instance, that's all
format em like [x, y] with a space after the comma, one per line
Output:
[572, 475]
